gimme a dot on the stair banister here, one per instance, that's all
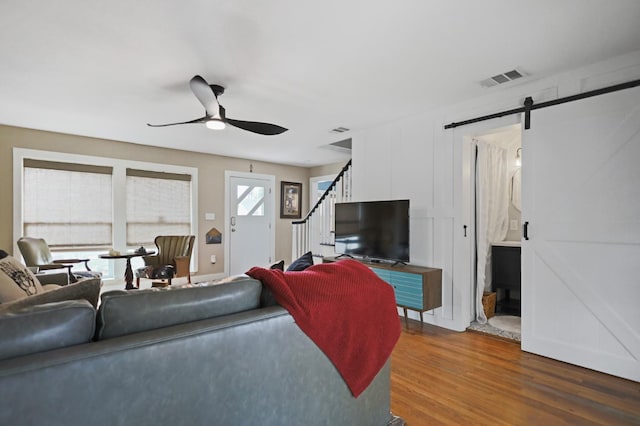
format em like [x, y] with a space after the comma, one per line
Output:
[304, 238]
[324, 195]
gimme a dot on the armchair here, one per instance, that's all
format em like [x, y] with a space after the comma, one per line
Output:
[36, 254]
[171, 261]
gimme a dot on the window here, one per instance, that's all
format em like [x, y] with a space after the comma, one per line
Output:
[157, 204]
[69, 205]
[84, 205]
[250, 200]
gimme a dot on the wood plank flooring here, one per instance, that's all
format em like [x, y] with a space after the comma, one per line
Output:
[440, 376]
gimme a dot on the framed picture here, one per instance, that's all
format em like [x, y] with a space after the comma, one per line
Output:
[290, 200]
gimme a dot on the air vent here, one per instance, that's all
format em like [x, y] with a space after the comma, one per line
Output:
[339, 130]
[502, 78]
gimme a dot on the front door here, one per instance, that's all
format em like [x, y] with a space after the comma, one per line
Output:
[581, 263]
[251, 237]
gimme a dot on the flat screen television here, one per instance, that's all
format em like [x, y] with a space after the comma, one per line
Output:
[377, 230]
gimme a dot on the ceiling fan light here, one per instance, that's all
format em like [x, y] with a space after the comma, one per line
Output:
[215, 124]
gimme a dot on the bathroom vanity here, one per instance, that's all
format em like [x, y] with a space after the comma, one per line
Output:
[505, 276]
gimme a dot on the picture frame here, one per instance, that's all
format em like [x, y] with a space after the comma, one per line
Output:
[290, 200]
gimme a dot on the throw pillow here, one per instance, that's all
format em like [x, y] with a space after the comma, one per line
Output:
[3, 254]
[16, 280]
[301, 263]
[279, 265]
[266, 297]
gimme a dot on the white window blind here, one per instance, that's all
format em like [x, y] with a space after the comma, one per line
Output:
[69, 205]
[157, 204]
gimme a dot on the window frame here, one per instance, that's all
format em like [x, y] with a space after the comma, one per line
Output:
[118, 187]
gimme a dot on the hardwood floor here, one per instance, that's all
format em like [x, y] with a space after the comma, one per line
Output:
[440, 376]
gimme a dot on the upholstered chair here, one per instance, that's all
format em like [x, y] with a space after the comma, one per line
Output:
[36, 254]
[171, 261]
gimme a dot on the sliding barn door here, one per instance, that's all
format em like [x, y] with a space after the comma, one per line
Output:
[581, 264]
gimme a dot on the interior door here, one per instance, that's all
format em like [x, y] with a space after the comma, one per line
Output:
[581, 263]
[250, 222]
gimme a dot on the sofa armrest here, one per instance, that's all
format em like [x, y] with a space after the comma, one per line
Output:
[150, 260]
[59, 278]
[182, 265]
[54, 266]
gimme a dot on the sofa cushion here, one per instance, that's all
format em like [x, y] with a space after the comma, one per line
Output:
[45, 327]
[16, 280]
[87, 289]
[301, 263]
[124, 312]
[52, 276]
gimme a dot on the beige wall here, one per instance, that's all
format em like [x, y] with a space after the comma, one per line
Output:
[211, 170]
[329, 169]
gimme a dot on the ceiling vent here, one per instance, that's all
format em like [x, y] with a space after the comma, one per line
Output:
[342, 146]
[502, 78]
[340, 130]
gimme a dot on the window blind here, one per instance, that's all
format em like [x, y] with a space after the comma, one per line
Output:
[69, 205]
[158, 203]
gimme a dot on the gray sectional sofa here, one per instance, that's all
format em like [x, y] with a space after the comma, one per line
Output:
[200, 355]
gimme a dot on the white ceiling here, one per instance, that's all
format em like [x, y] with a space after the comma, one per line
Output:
[106, 68]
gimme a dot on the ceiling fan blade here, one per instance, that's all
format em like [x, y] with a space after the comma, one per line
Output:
[205, 95]
[197, 120]
[257, 127]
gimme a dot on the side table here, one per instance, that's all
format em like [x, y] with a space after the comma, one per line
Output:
[128, 272]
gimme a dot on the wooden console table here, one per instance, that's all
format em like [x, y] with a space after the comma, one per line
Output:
[417, 288]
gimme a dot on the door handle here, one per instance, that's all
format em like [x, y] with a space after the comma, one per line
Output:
[525, 230]
[465, 230]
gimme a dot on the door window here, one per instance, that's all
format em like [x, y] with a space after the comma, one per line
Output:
[250, 201]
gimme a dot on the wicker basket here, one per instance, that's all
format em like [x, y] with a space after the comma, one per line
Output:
[489, 304]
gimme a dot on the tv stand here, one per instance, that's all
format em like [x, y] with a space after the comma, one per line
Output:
[344, 255]
[417, 288]
[381, 261]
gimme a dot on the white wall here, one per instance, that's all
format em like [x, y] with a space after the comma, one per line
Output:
[416, 158]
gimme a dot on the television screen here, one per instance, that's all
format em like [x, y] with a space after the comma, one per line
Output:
[373, 229]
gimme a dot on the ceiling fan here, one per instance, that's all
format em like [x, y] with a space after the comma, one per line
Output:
[215, 115]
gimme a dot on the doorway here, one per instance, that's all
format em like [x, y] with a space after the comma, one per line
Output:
[249, 226]
[495, 215]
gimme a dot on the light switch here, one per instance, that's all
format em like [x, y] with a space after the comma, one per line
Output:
[514, 225]
[209, 216]
[213, 258]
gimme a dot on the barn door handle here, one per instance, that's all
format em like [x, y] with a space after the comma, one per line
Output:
[525, 230]
[465, 230]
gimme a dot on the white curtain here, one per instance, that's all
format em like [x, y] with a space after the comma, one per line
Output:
[492, 213]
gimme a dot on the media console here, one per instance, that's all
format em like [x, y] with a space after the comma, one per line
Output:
[417, 288]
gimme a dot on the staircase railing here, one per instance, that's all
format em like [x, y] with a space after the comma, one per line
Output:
[315, 232]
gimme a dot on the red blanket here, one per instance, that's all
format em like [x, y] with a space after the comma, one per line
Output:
[345, 309]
